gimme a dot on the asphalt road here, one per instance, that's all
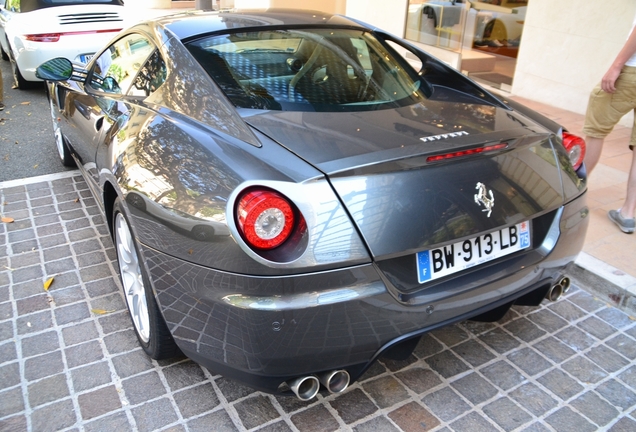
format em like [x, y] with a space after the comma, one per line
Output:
[27, 147]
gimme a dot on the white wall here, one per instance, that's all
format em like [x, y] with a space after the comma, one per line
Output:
[388, 15]
[566, 47]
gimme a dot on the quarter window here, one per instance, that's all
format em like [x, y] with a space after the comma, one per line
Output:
[116, 68]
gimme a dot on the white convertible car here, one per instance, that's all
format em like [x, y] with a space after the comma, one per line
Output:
[34, 31]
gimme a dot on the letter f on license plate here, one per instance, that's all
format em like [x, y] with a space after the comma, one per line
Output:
[446, 260]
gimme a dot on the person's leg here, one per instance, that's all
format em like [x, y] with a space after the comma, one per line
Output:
[629, 207]
[593, 147]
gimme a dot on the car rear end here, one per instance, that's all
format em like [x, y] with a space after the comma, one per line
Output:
[75, 32]
[375, 206]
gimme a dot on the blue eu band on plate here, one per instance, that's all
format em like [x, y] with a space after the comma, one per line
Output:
[440, 262]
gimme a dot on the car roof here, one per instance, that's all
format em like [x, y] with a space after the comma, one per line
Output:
[190, 24]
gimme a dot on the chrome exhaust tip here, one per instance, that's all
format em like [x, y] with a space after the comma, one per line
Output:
[565, 284]
[555, 292]
[305, 388]
[335, 381]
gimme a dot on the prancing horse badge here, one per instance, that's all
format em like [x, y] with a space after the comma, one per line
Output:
[487, 199]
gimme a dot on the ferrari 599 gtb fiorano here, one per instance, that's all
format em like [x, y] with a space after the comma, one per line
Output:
[293, 195]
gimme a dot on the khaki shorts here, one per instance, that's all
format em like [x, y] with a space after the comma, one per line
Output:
[604, 110]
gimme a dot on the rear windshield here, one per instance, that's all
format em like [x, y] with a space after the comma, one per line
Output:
[308, 70]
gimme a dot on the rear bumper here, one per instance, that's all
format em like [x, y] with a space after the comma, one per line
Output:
[267, 330]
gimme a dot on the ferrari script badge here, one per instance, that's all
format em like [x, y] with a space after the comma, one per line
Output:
[487, 199]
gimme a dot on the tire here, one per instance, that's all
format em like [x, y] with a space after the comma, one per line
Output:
[150, 327]
[62, 146]
[18, 79]
[5, 56]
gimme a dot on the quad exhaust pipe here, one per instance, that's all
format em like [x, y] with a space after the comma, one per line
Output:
[306, 388]
[557, 290]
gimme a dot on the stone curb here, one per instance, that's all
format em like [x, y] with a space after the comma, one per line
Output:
[609, 284]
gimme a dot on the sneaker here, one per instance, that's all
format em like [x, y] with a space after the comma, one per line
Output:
[626, 225]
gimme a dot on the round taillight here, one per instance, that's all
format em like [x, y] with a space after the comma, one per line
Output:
[575, 147]
[265, 218]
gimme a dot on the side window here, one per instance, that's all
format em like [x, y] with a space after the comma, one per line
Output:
[115, 70]
[151, 75]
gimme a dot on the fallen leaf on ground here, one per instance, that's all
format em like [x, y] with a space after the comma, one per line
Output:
[48, 283]
[101, 311]
[26, 103]
[7, 219]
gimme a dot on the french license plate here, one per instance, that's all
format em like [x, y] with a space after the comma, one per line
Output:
[85, 58]
[440, 262]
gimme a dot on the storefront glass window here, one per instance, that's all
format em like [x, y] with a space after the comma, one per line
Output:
[485, 33]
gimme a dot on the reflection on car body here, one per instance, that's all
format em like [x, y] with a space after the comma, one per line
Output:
[337, 178]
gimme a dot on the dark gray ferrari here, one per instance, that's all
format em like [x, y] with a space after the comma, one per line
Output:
[293, 195]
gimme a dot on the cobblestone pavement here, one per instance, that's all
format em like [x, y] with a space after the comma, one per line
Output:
[69, 359]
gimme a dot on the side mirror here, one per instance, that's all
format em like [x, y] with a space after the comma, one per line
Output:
[57, 69]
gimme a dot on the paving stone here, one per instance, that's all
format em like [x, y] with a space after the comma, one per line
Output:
[144, 387]
[196, 400]
[90, 376]
[450, 336]
[595, 408]
[503, 375]
[596, 327]
[624, 425]
[567, 310]
[617, 394]
[12, 403]
[499, 340]
[377, 368]
[353, 405]
[79, 333]
[396, 365]
[113, 422]
[255, 411]
[567, 420]
[533, 399]
[116, 321]
[419, 379]
[446, 364]
[16, 423]
[474, 388]
[53, 417]
[8, 352]
[624, 345]
[132, 363]
[155, 415]
[386, 391]
[584, 370]
[445, 404]
[506, 414]
[560, 383]
[629, 377]
[279, 426]
[48, 390]
[85, 353]
[615, 318]
[473, 352]
[315, 419]
[10, 374]
[376, 424]
[427, 346]
[575, 338]
[529, 361]
[291, 404]
[32, 304]
[102, 287]
[414, 417]
[607, 358]
[122, 341]
[183, 374]
[525, 330]
[554, 349]
[218, 421]
[43, 366]
[472, 422]
[66, 296]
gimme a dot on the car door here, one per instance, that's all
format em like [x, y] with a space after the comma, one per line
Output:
[102, 102]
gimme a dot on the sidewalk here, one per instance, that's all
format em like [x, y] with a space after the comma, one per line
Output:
[607, 260]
